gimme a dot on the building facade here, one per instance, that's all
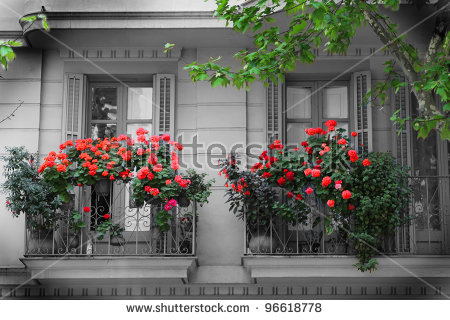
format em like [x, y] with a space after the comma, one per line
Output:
[102, 71]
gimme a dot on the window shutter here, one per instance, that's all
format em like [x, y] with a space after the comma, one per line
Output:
[164, 88]
[400, 101]
[362, 112]
[72, 125]
[274, 112]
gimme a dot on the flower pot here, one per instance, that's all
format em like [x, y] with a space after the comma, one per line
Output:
[183, 200]
[261, 243]
[103, 187]
[117, 241]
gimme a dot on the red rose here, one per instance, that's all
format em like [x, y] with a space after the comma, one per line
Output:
[304, 144]
[290, 176]
[111, 177]
[281, 181]
[298, 197]
[319, 161]
[331, 123]
[330, 203]
[366, 162]
[315, 173]
[307, 171]
[346, 194]
[86, 209]
[342, 141]
[354, 134]
[290, 194]
[107, 216]
[326, 181]
[165, 137]
[266, 175]
[352, 153]
[309, 190]
[351, 207]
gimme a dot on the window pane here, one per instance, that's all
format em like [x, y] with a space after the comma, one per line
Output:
[295, 133]
[335, 102]
[103, 130]
[104, 104]
[298, 103]
[139, 103]
[132, 127]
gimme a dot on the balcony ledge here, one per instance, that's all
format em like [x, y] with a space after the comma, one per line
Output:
[143, 269]
[276, 267]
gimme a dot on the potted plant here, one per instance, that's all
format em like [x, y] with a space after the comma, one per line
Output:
[115, 231]
[27, 193]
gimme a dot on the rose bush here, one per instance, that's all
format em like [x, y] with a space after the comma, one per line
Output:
[365, 193]
[149, 164]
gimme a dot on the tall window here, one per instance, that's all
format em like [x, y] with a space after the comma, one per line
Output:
[310, 104]
[118, 109]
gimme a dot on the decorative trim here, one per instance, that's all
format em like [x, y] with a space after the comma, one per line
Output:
[120, 54]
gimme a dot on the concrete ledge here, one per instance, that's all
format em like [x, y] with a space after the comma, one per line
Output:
[110, 268]
[342, 266]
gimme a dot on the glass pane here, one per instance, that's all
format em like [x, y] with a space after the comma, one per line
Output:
[295, 133]
[139, 103]
[132, 127]
[103, 130]
[104, 104]
[298, 103]
[335, 102]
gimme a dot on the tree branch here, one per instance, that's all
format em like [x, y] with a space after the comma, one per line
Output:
[12, 113]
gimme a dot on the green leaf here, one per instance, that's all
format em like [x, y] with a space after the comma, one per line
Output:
[299, 27]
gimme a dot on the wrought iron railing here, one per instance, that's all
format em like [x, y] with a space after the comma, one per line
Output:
[139, 234]
[422, 233]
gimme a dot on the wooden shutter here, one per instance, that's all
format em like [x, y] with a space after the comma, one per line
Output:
[274, 112]
[164, 93]
[72, 124]
[361, 84]
[400, 101]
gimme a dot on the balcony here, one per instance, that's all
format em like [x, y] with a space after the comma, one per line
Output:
[278, 249]
[140, 247]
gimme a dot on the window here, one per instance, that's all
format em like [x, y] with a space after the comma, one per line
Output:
[99, 109]
[310, 104]
[118, 109]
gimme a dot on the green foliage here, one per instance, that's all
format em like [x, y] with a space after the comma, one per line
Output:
[327, 25]
[110, 227]
[7, 54]
[26, 192]
[76, 222]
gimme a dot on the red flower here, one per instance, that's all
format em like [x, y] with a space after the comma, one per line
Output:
[309, 190]
[352, 153]
[157, 168]
[111, 177]
[178, 146]
[263, 155]
[331, 123]
[319, 161]
[281, 181]
[107, 216]
[309, 150]
[246, 193]
[326, 181]
[290, 194]
[346, 194]
[141, 131]
[298, 197]
[307, 171]
[304, 144]
[353, 159]
[143, 173]
[354, 134]
[342, 141]
[266, 175]
[366, 162]
[315, 173]
[330, 203]
[290, 176]
[86, 209]
[165, 137]
[351, 206]
[168, 182]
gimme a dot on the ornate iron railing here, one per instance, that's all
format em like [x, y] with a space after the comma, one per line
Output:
[140, 234]
[423, 232]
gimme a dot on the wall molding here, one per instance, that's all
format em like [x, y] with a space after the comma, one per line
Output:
[120, 54]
